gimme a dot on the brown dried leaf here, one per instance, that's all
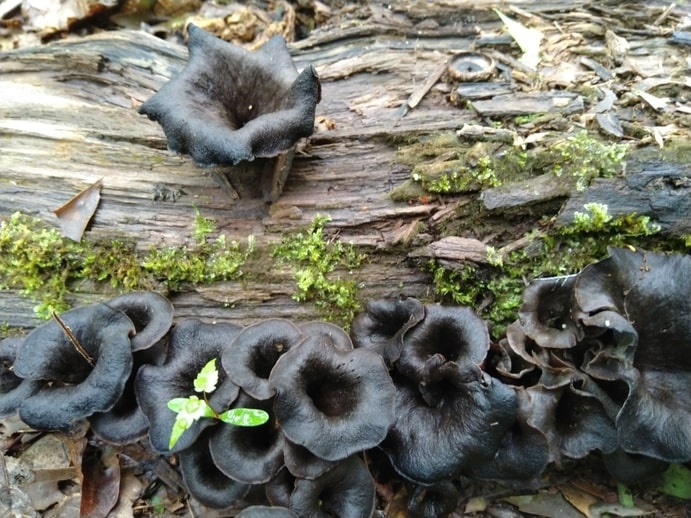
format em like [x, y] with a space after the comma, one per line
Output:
[101, 482]
[74, 215]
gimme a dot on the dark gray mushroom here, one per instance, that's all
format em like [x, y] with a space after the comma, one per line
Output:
[384, 323]
[332, 402]
[263, 511]
[345, 491]
[151, 314]
[637, 304]
[466, 425]
[329, 332]
[433, 501]
[302, 463]
[229, 104]
[251, 455]
[89, 369]
[13, 389]
[452, 337]
[125, 422]
[545, 314]
[192, 345]
[248, 360]
[204, 480]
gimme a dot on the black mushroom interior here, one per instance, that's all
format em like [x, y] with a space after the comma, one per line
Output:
[229, 104]
[88, 362]
[334, 403]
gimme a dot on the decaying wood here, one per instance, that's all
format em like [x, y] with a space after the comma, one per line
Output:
[68, 117]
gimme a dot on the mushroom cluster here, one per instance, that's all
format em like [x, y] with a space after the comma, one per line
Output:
[597, 361]
[80, 367]
[326, 402]
[605, 358]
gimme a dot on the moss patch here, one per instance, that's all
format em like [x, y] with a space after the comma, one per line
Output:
[495, 289]
[444, 164]
[38, 261]
[323, 270]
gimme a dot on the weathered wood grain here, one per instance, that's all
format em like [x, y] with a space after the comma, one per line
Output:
[68, 117]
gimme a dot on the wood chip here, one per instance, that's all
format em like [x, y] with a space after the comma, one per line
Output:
[530, 103]
[454, 248]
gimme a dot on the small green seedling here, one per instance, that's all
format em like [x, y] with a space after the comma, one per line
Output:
[191, 409]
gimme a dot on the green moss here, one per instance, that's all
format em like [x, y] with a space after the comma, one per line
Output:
[496, 288]
[586, 157]
[323, 270]
[446, 165]
[205, 262]
[525, 119]
[38, 261]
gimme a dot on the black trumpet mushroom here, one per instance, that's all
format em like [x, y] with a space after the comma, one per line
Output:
[86, 353]
[450, 414]
[251, 455]
[13, 389]
[152, 316]
[229, 104]
[384, 323]
[192, 345]
[637, 304]
[332, 402]
[248, 360]
[204, 480]
[345, 491]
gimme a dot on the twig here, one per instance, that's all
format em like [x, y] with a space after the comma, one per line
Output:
[664, 14]
[73, 339]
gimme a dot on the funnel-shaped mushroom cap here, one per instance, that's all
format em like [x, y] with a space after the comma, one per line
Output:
[432, 501]
[329, 332]
[248, 360]
[447, 335]
[466, 425]
[346, 490]
[13, 389]
[629, 468]
[204, 480]
[48, 353]
[125, 422]
[252, 455]
[192, 345]
[384, 323]
[638, 303]
[546, 312]
[302, 463]
[229, 104]
[332, 402]
[523, 453]
[263, 511]
[151, 314]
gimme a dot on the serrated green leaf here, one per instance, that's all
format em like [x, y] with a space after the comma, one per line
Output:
[207, 378]
[244, 416]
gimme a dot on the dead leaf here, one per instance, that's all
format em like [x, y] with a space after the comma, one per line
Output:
[655, 102]
[526, 38]
[544, 503]
[74, 215]
[578, 498]
[100, 482]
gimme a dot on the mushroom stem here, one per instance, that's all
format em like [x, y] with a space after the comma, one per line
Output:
[74, 340]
